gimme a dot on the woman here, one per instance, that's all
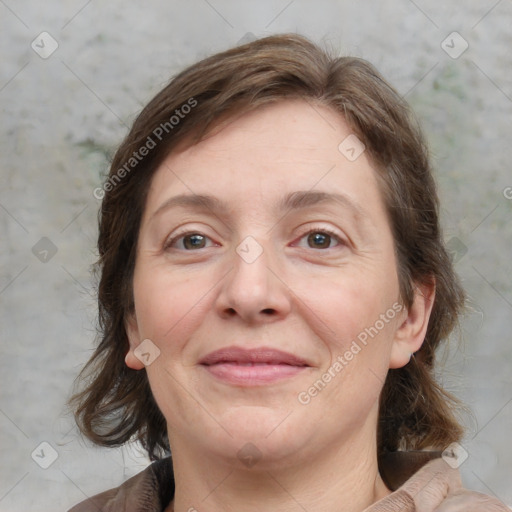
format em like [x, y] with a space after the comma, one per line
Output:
[273, 288]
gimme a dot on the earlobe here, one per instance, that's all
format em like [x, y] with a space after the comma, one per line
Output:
[411, 333]
[132, 361]
[132, 332]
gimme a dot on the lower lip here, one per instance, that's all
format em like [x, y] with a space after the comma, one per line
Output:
[257, 374]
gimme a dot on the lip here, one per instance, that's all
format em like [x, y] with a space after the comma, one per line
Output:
[252, 367]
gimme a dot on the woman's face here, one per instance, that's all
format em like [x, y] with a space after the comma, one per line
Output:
[271, 307]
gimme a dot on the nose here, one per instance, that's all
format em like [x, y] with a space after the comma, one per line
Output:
[253, 291]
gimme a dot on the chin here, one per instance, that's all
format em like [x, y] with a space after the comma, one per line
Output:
[267, 437]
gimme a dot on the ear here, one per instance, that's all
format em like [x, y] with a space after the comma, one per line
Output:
[410, 335]
[132, 332]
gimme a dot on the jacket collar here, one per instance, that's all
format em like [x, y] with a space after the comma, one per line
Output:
[153, 489]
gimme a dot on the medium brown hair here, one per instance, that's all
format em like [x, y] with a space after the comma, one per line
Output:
[116, 403]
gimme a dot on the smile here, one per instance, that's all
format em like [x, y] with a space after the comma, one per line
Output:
[243, 367]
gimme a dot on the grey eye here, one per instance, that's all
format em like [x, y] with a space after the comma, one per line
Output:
[319, 240]
[194, 241]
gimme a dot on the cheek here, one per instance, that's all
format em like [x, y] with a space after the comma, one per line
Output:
[340, 310]
[168, 307]
[356, 323]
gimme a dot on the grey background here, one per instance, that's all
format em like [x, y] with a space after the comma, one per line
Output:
[63, 115]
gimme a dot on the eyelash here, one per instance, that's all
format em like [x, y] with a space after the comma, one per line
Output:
[323, 231]
[170, 242]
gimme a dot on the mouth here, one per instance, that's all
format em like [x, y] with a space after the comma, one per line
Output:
[252, 367]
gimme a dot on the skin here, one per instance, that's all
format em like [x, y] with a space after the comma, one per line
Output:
[302, 296]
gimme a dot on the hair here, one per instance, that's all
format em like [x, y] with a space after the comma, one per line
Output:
[115, 404]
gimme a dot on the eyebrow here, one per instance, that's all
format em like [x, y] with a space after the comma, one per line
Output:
[307, 198]
[298, 200]
[194, 201]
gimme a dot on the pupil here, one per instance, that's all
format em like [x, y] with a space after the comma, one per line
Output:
[194, 241]
[319, 239]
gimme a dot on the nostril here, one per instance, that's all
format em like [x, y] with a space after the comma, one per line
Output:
[233, 312]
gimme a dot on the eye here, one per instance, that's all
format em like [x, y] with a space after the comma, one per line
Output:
[321, 238]
[187, 241]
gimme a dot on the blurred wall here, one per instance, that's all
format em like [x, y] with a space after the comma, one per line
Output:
[73, 75]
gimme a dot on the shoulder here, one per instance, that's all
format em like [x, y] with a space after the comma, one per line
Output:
[433, 485]
[148, 491]
[397, 467]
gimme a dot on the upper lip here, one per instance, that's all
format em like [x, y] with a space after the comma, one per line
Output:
[262, 355]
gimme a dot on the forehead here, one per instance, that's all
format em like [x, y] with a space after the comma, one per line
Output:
[267, 154]
[287, 123]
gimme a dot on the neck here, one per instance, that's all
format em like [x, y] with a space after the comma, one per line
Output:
[343, 478]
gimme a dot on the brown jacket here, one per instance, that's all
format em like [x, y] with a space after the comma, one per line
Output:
[153, 489]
